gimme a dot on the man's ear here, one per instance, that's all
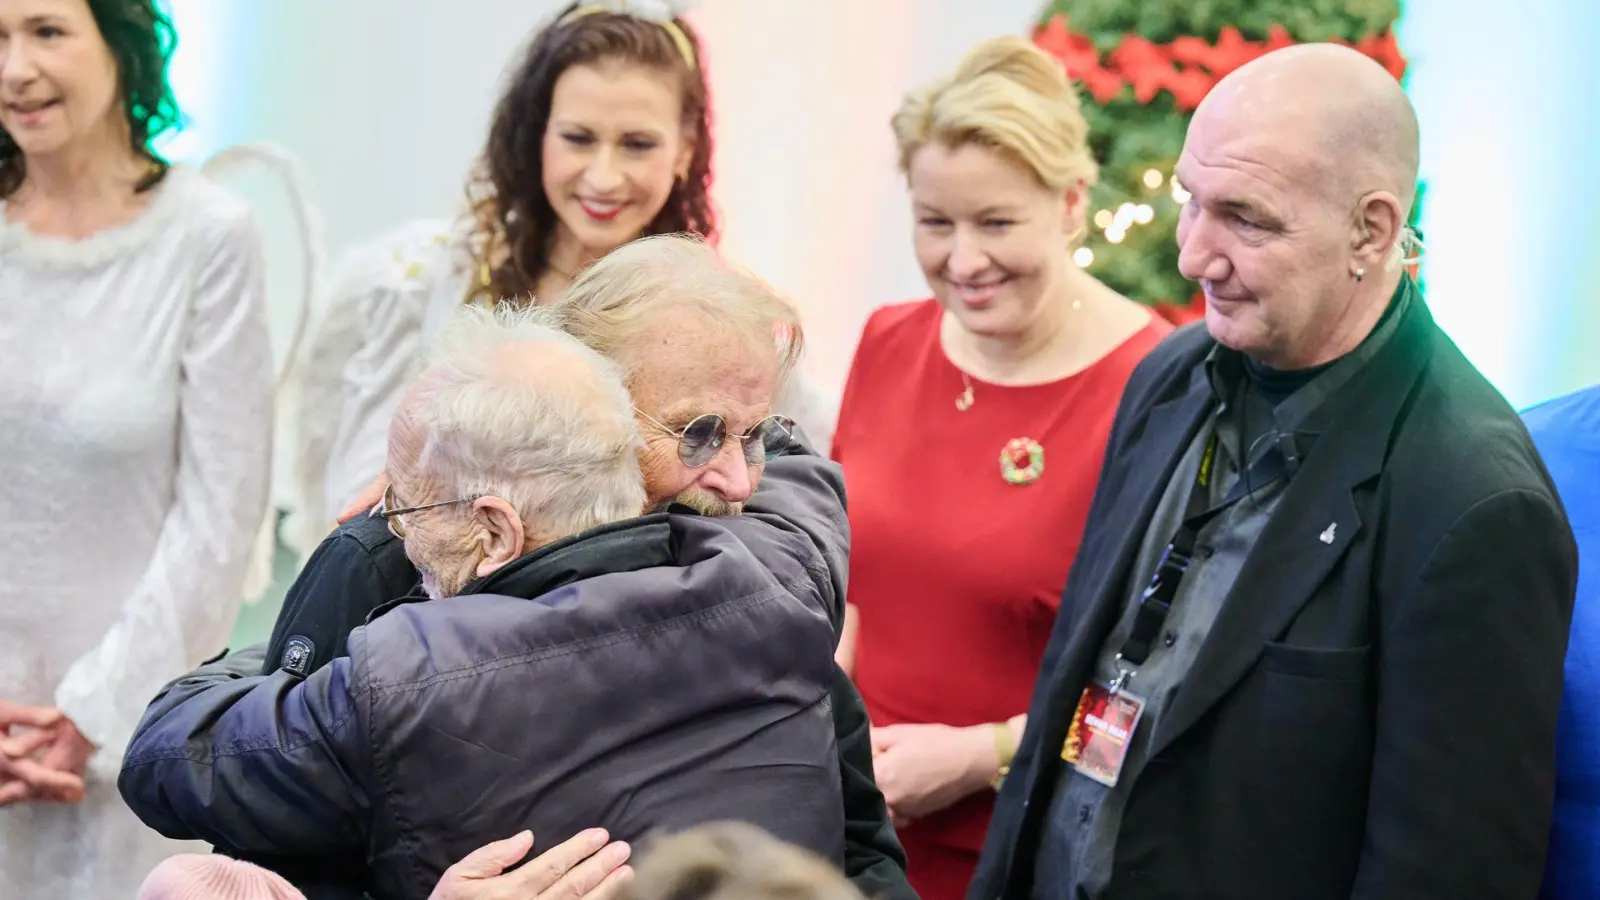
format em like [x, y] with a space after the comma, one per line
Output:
[1377, 227]
[499, 533]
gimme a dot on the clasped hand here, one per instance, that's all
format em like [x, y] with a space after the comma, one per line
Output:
[922, 769]
[42, 756]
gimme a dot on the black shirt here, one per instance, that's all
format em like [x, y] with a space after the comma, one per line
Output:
[356, 569]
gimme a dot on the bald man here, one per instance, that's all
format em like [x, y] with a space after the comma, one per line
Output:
[1312, 643]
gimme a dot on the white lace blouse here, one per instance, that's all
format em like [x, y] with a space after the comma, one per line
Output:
[135, 447]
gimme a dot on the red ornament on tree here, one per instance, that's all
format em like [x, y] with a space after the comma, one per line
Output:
[1147, 68]
[1079, 57]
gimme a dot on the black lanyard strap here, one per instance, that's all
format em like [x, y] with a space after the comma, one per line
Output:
[1156, 601]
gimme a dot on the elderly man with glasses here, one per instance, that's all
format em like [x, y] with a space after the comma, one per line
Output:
[578, 664]
[677, 320]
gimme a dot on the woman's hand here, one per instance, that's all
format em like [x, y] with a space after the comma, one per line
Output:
[45, 762]
[584, 868]
[368, 499]
[922, 769]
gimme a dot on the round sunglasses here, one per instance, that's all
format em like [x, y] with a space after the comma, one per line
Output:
[701, 440]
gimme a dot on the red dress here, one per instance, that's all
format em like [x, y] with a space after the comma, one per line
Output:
[957, 573]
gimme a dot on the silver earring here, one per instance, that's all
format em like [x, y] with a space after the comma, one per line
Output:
[1360, 273]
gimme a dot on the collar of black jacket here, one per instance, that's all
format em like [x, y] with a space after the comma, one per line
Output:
[1228, 368]
[626, 546]
[1359, 414]
[1293, 398]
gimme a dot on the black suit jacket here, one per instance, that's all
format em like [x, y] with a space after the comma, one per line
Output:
[1373, 713]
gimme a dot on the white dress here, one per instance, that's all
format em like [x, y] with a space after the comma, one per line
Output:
[135, 446]
[386, 300]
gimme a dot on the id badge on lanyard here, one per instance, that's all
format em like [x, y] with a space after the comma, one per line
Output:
[1107, 714]
[1102, 726]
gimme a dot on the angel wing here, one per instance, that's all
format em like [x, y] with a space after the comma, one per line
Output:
[225, 162]
[280, 161]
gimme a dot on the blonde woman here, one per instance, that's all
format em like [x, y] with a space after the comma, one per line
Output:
[971, 434]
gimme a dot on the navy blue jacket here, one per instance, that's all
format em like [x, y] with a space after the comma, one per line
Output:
[654, 674]
[361, 568]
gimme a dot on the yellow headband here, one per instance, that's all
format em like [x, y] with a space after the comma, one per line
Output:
[670, 26]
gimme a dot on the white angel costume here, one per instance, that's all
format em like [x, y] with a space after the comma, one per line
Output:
[385, 302]
[135, 444]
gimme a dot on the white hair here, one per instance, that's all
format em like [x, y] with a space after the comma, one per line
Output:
[621, 300]
[556, 440]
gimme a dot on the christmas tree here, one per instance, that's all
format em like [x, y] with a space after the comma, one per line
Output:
[1143, 68]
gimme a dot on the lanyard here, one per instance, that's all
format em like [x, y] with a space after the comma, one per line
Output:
[1156, 601]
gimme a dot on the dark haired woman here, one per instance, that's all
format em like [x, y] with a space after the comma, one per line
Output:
[602, 136]
[135, 429]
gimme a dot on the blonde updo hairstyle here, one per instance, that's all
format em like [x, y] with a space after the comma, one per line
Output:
[1011, 97]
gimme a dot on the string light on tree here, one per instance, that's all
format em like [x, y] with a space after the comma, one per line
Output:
[1116, 224]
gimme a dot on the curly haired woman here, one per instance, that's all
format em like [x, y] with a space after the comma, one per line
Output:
[602, 136]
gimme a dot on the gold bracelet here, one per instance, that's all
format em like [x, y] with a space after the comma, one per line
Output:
[1005, 750]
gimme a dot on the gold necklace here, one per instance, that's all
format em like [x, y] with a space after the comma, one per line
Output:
[965, 401]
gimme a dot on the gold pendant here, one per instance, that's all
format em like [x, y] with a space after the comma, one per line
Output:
[964, 402]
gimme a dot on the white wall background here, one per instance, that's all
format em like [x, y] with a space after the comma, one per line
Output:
[385, 103]
[1504, 94]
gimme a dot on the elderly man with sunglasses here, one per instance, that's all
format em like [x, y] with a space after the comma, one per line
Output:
[680, 324]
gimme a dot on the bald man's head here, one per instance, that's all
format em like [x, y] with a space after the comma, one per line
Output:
[1342, 110]
[1302, 167]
